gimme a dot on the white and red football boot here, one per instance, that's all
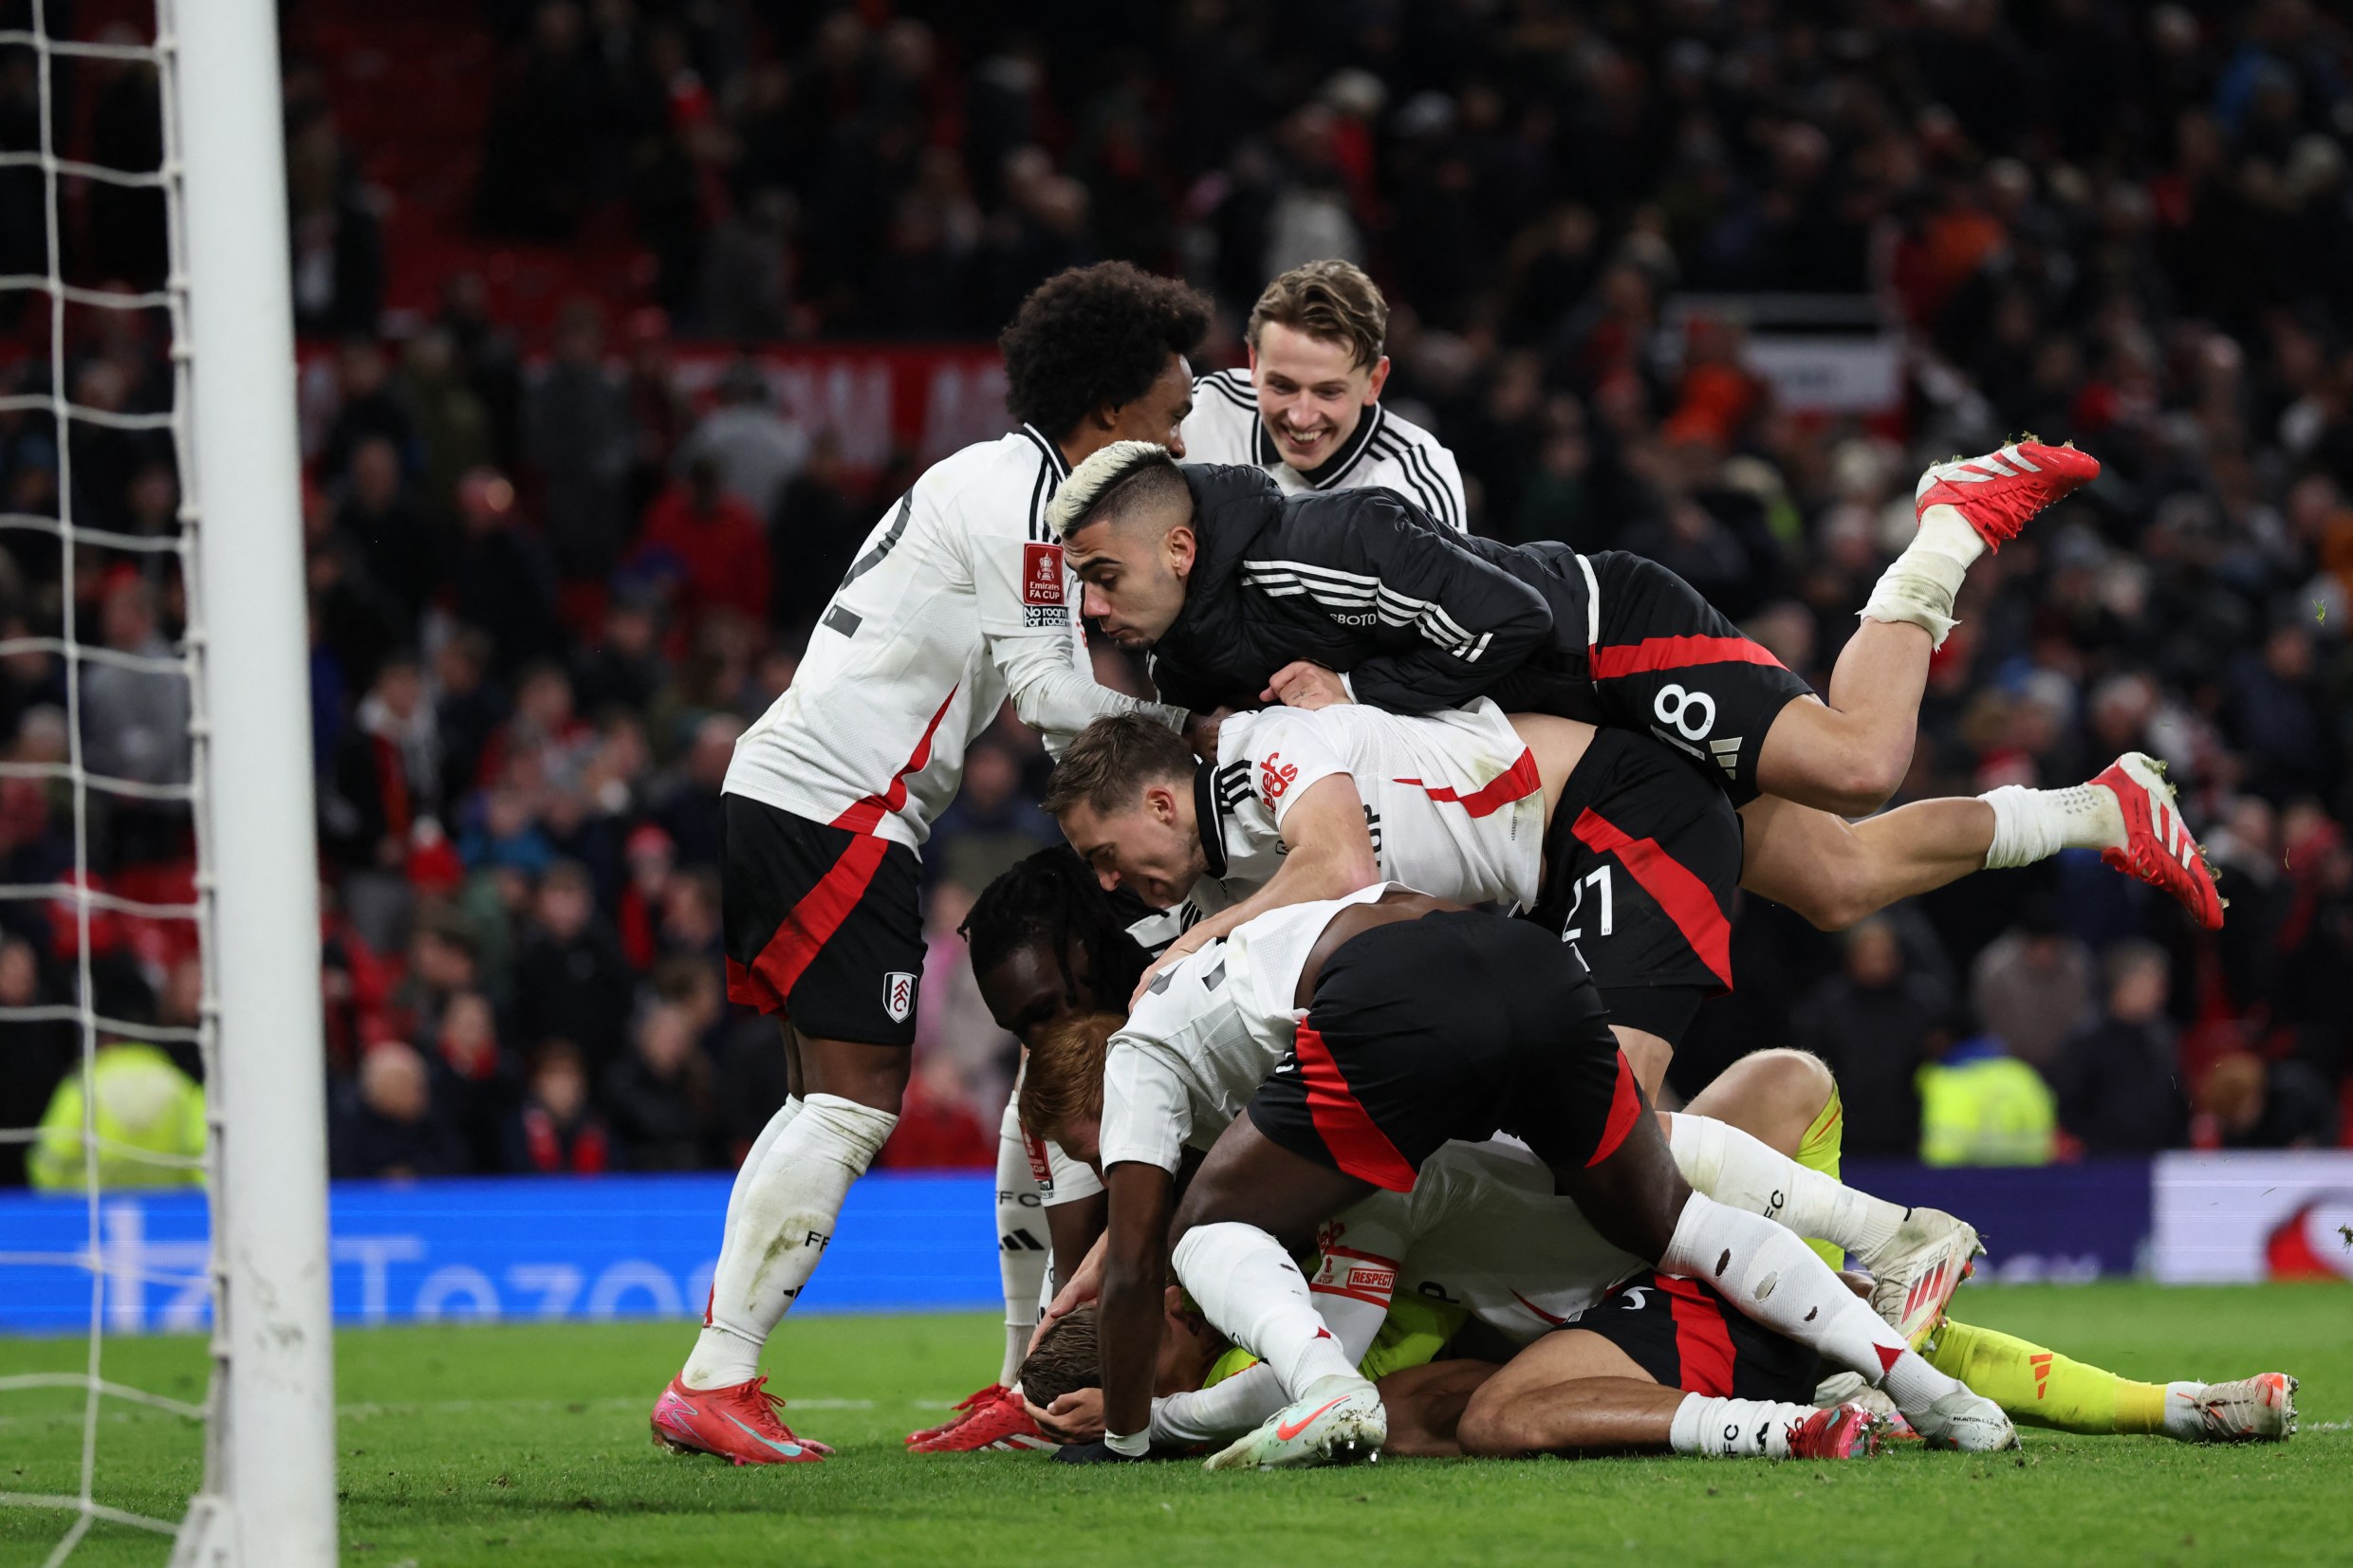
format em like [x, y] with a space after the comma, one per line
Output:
[738, 1423]
[2159, 849]
[1998, 492]
[2261, 1408]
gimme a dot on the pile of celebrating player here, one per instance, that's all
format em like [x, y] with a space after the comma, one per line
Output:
[1345, 1007]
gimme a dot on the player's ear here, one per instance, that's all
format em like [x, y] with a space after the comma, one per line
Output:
[1380, 379]
[1160, 800]
[1182, 545]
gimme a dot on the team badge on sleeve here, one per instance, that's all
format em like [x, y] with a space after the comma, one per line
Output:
[1045, 601]
[899, 995]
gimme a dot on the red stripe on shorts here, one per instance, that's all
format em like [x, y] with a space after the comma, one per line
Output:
[1625, 1108]
[1358, 1146]
[1683, 894]
[807, 928]
[1635, 658]
[1522, 781]
[863, 817]
[1703, 1341]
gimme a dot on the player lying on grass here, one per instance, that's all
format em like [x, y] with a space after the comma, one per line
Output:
[1421, 1023]
[1044, 931]
[1483, 1230]
[1243, 595]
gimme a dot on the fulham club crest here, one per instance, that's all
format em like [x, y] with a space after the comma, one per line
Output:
[899, 995]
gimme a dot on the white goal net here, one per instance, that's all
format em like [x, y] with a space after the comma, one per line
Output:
[159, 1051]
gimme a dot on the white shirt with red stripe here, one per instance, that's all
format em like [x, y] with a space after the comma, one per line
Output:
[1453, 799]
[1484, 1230]
[1206, 1032]
[957, 600]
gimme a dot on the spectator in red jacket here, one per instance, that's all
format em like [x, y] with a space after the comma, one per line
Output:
[708, 543]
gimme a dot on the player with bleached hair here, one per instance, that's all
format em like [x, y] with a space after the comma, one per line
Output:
[957, 602]
[1241, 596]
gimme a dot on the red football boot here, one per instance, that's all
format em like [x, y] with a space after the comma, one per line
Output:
[1843, 1431]
[1998, 492]
[738, 1423]
[1001, 1423]
[959, 1413]
[2159, 848]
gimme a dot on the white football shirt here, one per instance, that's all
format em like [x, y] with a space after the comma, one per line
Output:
[1205, 1034]
[1483, 1230]
[1386, 449]
[958, 599]
[1453, 799]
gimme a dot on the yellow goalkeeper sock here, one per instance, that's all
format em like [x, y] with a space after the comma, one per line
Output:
[2042, 1388]
[1819, 1150]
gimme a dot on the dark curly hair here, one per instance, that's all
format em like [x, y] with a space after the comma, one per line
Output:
[1052, 898]
[1095, 337]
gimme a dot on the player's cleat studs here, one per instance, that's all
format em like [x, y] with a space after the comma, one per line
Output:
[2261, 1408]
[2158, 848]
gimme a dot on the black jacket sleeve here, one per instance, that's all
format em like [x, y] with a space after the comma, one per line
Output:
[1448, 622]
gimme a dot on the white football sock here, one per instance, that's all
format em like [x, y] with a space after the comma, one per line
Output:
[1768, 1274]
[1024, 1249]
[1918, 587]
[2035, 824]
[749, 1172]
[786, 1220]
[1731, 1429]
[1736, 1168]
[1244, 1284]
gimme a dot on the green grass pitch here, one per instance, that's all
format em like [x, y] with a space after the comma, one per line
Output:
[526, 1445]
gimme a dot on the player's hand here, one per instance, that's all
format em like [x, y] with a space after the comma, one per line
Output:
[1301, 684]
[1176, 953]
[1076, 1417]
[1201, 732]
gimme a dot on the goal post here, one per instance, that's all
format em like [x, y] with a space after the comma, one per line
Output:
[268, 1496]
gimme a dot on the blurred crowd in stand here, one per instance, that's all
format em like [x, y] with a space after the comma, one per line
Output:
[548, 586]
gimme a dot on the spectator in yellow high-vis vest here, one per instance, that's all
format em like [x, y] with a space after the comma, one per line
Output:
[147, 1106]
[1980, 1105]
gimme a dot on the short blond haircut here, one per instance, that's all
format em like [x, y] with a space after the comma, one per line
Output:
[1063, 1078]
[1333, 301]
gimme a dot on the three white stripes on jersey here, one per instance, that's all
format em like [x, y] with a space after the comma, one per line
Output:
[1353, 591]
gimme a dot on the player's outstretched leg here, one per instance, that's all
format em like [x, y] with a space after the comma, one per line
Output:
[2042, 1388]
[1850, 755]
[1638, 1200]
[1578, 1391]
[1918, 1257]
[1835, 872]
[782, 1221]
